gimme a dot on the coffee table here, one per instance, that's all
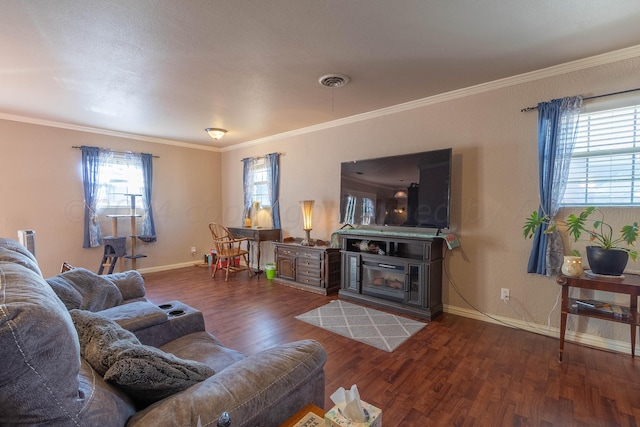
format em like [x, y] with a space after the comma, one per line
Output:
[309, 416]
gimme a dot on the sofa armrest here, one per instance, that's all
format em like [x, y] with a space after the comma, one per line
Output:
[130, 283]
[136, 316]
[263, 389]
[156, 325]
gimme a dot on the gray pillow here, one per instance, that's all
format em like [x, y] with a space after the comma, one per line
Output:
[145, 373]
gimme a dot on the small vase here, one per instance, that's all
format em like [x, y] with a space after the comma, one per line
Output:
[572, 266]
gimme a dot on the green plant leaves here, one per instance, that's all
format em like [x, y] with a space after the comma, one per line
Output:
[532, 223]
[575, 225]
[630, 233]
[601, 234]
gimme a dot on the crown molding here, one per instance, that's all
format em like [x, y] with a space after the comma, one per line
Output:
[88, 129]
[556, 70]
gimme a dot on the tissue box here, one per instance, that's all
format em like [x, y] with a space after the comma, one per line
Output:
[333, 418]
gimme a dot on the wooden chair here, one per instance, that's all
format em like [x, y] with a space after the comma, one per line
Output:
[228, 248]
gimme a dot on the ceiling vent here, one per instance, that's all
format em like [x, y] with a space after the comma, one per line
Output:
[334, 80]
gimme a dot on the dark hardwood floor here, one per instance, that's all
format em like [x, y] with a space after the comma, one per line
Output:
[455, 372]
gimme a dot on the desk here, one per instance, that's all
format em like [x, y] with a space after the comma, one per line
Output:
[629, 285]
[256, 234]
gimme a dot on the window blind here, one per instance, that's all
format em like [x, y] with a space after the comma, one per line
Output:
[120, 174]
[605, 161]
[260, 188]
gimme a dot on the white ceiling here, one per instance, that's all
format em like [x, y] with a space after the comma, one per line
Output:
[168, 68]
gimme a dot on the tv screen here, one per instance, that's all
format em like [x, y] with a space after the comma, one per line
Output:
[410, 190]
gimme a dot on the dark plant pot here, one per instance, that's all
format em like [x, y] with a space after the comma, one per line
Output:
[610, 262]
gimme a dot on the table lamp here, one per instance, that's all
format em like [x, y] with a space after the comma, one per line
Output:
[307, 210]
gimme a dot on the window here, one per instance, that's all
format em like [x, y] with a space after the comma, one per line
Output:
[350, 210]
[107, 177]
[368, 210]
[605, 164]
[260, 185]
[120, 174]
[261, 190]
[359, 202]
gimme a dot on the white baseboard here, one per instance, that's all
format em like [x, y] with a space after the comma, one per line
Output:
[571, 336]
[167, 267]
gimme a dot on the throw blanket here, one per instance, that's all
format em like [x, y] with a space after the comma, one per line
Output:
[145, 373]
[84, 290]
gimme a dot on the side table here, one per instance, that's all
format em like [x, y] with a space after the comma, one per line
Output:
[629, 285]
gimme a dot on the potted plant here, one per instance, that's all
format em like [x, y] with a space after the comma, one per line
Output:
[605, 255]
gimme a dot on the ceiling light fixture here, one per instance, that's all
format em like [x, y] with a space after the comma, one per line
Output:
[216, 133]
[400, 195]
[334, 80]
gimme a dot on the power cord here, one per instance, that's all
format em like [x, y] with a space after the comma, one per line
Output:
[500, 321]
[553, 309]
[534, 329]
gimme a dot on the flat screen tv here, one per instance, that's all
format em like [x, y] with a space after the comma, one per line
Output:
[410, 190]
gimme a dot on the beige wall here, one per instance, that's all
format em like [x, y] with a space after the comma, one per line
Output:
[494, 185]
[41, 189]
[494, 189]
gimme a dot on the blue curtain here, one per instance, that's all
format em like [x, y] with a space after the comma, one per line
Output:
[148, 225]
[90, 182]
[273, 163]
[557, 124]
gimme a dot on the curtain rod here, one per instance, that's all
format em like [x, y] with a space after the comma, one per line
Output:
[257, 157]
[526, 110]
[116, 151]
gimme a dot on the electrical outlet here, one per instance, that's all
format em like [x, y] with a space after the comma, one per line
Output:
[504, 294]
[193, 250]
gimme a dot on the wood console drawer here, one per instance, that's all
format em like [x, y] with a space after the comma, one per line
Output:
[300, 254]
[312, 281]
[309, 255]
[302, 270]
[285, 252]
[308, 263]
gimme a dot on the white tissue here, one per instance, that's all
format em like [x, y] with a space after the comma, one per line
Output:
[349, 404]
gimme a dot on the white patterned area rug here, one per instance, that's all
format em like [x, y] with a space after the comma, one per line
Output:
[375, 328]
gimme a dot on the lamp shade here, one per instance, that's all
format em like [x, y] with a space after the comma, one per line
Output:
[307, 210]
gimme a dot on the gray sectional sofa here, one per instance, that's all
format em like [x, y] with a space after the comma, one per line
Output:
[102, 355]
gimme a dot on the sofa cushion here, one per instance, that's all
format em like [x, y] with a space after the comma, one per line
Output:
[42, 381]
[83, 289]
[146, 373]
